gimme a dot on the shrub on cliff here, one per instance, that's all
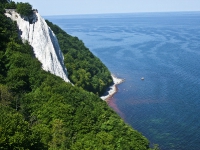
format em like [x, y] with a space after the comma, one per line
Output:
[11, 5]
[24, 9]
[4, 1]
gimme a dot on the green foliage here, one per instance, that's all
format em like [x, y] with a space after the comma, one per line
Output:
[24, 9]
[11, 5]
[82, 120]
[39, 110]
[15, 133]
[5, 95]
[84, 69]
[4, 1]
[7, 29]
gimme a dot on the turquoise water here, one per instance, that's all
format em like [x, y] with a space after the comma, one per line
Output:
[164, 48]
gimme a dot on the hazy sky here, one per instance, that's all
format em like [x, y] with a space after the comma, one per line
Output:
[68, 7]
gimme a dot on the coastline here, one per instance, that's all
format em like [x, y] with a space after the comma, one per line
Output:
[112, 89]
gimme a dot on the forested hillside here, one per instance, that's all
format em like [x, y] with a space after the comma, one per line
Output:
[84, 69]
[39, 110]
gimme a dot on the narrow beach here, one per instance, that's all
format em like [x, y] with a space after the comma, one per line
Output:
[112, 89]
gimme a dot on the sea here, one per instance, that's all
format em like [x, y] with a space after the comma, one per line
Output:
[164, 49]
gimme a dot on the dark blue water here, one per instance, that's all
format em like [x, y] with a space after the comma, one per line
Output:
[164, 48]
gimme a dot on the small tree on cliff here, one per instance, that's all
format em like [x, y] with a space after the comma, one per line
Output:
[4, 1]
[24, 9]
[10, 5]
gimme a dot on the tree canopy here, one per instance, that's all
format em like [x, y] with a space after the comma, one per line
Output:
[11, 5]
[24, 9]
[4, 1]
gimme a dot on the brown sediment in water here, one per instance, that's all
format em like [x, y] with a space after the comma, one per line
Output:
[113, 105]
[108, 96]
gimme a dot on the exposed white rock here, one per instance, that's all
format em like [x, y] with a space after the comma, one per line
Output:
[112, 89]
[44, 42]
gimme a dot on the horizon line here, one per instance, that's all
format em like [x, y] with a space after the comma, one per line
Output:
[122, 13]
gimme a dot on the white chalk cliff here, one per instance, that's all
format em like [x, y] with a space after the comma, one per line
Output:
[44, 42]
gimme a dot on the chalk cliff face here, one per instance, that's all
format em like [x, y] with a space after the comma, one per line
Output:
[44, 42]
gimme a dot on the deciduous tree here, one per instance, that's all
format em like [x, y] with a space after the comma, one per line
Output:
[24, 9]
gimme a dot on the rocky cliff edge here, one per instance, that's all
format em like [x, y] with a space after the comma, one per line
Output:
[44, 42]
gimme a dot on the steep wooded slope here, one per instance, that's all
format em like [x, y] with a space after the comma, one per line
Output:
[84, 69]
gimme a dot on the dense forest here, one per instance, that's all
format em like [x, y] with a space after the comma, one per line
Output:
[39, 110]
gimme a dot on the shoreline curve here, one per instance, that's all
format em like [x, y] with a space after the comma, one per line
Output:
[112, 89]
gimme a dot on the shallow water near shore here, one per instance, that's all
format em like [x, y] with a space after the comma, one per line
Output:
[164, 48]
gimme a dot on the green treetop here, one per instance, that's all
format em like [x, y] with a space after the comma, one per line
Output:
[24, 9]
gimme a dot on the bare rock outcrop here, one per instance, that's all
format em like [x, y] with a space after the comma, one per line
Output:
[45, 45]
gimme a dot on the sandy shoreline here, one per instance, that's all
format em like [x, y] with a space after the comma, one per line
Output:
[112, 89]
